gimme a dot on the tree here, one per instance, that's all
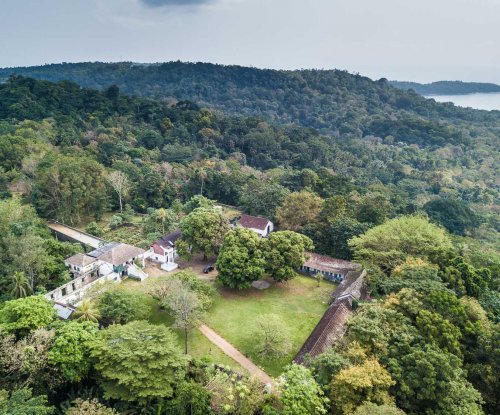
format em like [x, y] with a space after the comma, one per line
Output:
[204, 230]
[271, 336]
[70, 351]
[20, 285]
[300, 394]
[285, 253]
[438, 330]
[428, 379]
[94, 229]
[119, 306]
[369, 408]
[391, 243]
[231, 395]
[159, 220]
[186, 308]
[456, 216]
[240, 261]
[464, 278]
[68, 187]
[191, 398]
[24, 315]
[89, 407]
[87, 311]
[262, 197]
[29, 255]
[22, 402]
[354, 385]
[198, 201]
[138, 361]
[298, 209]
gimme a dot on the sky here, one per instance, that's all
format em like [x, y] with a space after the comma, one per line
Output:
[419, 40]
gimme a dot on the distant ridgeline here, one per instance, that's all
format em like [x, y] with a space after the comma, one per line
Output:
[447, 87]
[333, 102]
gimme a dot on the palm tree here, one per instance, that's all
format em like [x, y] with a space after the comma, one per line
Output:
[162, 215]
[86, 311]
[20, 285]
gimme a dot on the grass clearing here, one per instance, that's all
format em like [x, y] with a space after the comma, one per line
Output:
[199, 345]
[299, 303]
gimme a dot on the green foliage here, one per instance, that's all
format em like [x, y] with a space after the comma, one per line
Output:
[300, 394]
[465, 278]
[204, 230]
[22, 402]
[298, 209]
[20, 285]
[390, 244]
[197, 201]
[89, 407]
[70, 351]
[68, 187]
[429, 380]
[357, 384]
[191, 399]
[456, 216]
[284, 253]
[94, 229]
[24, 315]
[240, 261]
[138, 361]
[119, 306]
[369, 408]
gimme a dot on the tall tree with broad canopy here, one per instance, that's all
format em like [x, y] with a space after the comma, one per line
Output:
[300, 394]
[390, 244]
[138, 362]
[240, 261]
[366, 382]
[24, 315]
[70, 351]
[285, 253]
[203, 230]
[298, 209]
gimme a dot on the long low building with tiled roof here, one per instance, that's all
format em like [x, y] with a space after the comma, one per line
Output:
[333, 269]
[331, 327]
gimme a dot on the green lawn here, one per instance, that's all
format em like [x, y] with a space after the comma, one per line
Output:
[199, 345]
[299, 303]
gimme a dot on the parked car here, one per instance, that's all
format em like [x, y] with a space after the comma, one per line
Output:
[208, 268]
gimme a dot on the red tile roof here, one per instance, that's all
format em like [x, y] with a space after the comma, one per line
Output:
[254, 222]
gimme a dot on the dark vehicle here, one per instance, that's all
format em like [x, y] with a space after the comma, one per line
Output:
[208, 268]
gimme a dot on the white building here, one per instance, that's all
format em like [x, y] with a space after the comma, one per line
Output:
[163, 251]
[262, 226]
[107, 263]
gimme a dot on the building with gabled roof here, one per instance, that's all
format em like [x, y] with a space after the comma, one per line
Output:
[333, 269]
[163, 251]
[331, 327]
[262, 226]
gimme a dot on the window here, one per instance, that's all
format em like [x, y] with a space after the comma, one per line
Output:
[73, 286]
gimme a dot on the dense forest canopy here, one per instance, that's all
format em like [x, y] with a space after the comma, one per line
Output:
[333, 101]
[358, 169]
[447, 87]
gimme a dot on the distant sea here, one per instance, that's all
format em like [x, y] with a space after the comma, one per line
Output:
[489, 101]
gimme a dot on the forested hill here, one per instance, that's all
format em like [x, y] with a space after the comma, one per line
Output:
[332, 101]
[447, 87]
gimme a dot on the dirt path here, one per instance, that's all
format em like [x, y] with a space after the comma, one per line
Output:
[235, 354]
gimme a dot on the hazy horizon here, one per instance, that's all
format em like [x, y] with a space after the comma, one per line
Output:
[421, 41]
